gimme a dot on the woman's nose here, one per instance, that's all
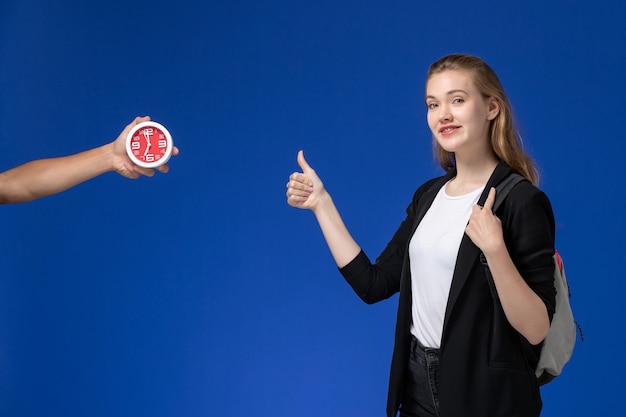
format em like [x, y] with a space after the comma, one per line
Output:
[444, 113]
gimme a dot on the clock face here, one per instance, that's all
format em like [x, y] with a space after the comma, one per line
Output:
[149, 144]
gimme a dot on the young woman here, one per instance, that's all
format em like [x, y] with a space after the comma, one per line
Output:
[459, 351]
[44, 177]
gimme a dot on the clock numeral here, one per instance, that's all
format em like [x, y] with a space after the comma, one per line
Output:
[149, 158]
[162, 144]
[147, 132]
[135, 145]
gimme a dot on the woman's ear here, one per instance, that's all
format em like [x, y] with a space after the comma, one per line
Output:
[493, 108]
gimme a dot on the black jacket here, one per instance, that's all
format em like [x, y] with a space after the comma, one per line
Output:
[486, 366]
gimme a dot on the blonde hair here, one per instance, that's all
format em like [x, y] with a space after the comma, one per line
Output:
[506, 142]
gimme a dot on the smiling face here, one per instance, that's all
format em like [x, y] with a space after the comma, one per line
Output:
[459, 115]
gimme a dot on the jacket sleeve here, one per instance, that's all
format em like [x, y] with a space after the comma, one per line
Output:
[381, 280]
[529, 233]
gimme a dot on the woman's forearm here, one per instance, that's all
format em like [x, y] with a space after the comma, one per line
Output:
[341, 244]
[523, 307]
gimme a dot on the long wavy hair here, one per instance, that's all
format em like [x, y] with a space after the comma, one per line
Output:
[505, 139]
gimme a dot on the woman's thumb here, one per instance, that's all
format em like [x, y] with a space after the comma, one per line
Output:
[302, 162]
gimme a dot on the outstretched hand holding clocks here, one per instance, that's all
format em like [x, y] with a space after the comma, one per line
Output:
[135, 154]
[49, 176]
[149, 144]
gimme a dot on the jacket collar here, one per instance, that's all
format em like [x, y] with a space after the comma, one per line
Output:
[468, 252]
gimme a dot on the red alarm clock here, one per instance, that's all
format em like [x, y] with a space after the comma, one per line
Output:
[149, 144]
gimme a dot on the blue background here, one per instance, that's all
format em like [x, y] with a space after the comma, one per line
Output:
[201, 292]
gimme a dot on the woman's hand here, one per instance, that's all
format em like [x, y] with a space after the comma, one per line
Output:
[304, 189]
[485, 228]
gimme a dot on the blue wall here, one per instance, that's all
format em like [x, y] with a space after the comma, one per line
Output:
[230, 303]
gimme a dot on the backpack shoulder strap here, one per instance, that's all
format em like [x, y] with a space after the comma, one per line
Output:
[502, 191]
[504, 188]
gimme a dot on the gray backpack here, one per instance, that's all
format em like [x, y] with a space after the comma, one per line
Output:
[558, 346]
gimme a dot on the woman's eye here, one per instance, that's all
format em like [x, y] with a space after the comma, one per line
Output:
[458, 100]
[431, 106]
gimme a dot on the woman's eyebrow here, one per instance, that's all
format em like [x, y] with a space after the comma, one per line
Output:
[449, 93]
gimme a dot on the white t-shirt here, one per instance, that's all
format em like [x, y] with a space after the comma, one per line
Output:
[432, 252]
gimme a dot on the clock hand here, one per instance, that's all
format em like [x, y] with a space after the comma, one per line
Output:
[148, 144]
[146, 135]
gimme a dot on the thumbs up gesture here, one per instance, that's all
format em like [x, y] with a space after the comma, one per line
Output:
[304, 189]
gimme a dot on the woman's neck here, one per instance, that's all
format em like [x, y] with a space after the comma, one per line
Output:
[471, 174]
